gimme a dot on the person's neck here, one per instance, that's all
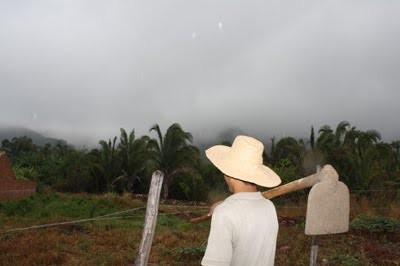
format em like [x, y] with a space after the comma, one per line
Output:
[244, 188]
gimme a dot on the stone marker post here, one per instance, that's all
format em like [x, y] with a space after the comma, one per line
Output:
[151, 218]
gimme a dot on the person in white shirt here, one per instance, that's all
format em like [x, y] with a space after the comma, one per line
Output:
[244, 227]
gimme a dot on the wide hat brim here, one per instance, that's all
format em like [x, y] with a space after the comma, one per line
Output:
[259, 174]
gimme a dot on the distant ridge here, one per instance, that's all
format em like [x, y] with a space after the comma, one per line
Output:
[37, 138]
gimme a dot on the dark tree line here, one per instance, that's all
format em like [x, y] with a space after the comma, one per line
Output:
[361, 158]
[125, 163]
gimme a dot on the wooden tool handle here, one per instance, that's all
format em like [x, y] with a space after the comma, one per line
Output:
[200, 219]
[296, 185]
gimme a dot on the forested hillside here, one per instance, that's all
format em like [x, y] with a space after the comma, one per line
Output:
[37, 138]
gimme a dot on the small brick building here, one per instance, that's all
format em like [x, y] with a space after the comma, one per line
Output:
[10, 187]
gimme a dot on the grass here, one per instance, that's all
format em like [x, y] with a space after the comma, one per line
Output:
[58, 205]
[374, 237]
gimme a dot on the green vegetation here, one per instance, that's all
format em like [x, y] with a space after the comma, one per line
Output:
[99, 242]
[376, 224]
[107, 178]
[55, 205]
[125, 163]
[172, 154]
[193, 253]
[372, 240]
[347, 260]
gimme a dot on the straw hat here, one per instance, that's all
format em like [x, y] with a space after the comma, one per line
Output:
[243, 161]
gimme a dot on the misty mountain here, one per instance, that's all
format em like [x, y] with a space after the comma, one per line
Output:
[37, 138]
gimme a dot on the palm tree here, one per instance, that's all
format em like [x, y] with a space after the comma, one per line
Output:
[22, 144]
[134, 155]
[329, 141]
[365, 153]
[78, 166]
[172, 154]
[46, 150]
[340, 133]
[396, 148]
[367, 139]
[6, 145]
[61, 149]
[108, 160]
[339, 149]
[289, 148]
[356, 154]
[326, 139]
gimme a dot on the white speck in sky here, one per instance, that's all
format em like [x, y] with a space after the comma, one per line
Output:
[34, 116]
[194, 35]
[220, 25]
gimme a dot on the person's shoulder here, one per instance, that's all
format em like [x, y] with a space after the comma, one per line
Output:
[224, 208]
[224, 214]
[269, 204]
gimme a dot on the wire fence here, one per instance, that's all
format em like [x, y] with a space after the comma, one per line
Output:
[111, 216]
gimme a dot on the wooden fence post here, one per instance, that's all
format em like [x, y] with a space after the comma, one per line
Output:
[315, 240]
[151, 218]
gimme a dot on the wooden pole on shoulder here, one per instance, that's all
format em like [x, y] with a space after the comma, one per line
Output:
[296, 185]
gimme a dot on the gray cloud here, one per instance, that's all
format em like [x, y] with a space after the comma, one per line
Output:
[83, 69]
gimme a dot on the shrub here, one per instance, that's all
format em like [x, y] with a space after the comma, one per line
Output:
[25, 173]
[286, 170]
[375, 224]
[18, 208]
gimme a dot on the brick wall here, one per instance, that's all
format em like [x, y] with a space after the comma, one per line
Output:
[10, 187]
[5, 167]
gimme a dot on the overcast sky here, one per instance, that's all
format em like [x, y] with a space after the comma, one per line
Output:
[81, 69]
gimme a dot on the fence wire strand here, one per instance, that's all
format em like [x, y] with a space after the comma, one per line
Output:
[111, 216]
[98, 218]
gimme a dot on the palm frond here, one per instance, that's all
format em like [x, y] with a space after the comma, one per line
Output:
[156, 127]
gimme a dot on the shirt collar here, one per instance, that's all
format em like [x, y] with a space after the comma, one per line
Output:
[246, 195]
